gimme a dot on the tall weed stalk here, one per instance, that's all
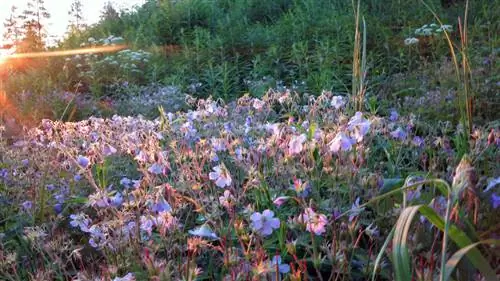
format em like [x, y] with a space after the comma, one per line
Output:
[359, 68]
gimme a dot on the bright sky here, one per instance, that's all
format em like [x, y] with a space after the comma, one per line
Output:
[59, 12]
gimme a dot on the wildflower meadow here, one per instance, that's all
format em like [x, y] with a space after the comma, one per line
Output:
[342, 151]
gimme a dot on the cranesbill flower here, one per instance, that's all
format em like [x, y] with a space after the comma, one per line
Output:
[83, 161]
[81, 221]
[315, 223]
[27, 205]
[128, 277]
[220, 176]
[338, 102]
[156, 169]
[276, 264]
[227, 199]
[394, 115]
[495, 200]
[204, 231]
[355, 210]
[399, 134]
[264, 223]
[341, 142]
[359, 126]
[295, 145]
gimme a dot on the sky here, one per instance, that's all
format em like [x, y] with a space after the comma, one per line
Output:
[57, 24]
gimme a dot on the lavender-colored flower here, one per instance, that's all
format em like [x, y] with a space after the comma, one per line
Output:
[218, 144]
[399, 134]
[315, 222]
[359, 126]
[338, 102]
[117, 200]
[157, 169]
[355, 210]
[82, 161]
[126, 182]
[276, 264]
[25, 162]
[394, 115]
[108, 150]
[81, 221]
[97, 236]
[495, 200]
[220, 176]
[264, 223]
[418, 141]
[147, 224]
[341, 142]
[161, 205]
[27, 205]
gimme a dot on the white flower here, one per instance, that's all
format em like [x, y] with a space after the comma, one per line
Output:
[337, 102]
[411, 41]
[492, 183]
[221, 176]
[204, 231]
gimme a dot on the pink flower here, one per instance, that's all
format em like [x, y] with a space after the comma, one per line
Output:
[295, 145]
[315, 223]
[264, 223]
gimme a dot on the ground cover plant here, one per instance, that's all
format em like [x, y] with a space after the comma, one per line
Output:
[257, 143]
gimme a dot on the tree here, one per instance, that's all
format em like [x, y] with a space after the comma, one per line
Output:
[76, 14]
[34, 33]
[12, 32]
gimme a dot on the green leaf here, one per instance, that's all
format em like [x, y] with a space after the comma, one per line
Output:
[453, 261]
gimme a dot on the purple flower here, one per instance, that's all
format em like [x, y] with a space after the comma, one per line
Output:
[315, 223]
[264, 223]
[25, 162]
[220, 176]
[117, 200]
[399, 134]
[341, 142]
[83, 161]
[218, 144]
[295, 145]
[495, 200]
